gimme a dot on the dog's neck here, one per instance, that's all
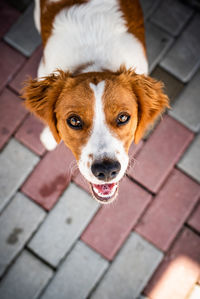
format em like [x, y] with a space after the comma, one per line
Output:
[85, 43]
[87, 67]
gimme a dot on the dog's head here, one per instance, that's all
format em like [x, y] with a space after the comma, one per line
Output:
[97, 115]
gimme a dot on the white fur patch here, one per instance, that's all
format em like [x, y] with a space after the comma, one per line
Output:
[94, 31]
[36, 15]
[47, 139]
[102, 143]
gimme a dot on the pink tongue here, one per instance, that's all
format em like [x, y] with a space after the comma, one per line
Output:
[105, 189]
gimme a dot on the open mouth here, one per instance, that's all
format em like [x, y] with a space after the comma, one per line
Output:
[104, 193]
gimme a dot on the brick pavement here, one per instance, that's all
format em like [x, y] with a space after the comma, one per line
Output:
[55, 240]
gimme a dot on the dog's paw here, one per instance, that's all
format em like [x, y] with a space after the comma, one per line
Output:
[47, 139]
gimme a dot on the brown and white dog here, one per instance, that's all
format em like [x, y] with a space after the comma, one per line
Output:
[92, 90]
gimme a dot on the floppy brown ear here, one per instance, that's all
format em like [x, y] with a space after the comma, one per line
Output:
[151, 102]
[41, 96]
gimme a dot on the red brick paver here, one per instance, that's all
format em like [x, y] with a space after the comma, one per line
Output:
[112, 224]
[12, 114]
[169, 210]
[179, 271]
[50, 177]
[8, 16]
[29, 134]
[78, 179]
[160, 153]
[29, 69]
[194, 220]
[10, 62]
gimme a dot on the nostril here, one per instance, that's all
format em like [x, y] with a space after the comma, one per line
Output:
[113, 174]
[106, 170]
[101, 175]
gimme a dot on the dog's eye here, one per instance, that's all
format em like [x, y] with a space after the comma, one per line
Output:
[122, 118]
[75, 122]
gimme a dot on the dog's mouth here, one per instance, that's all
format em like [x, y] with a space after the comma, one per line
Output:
[104, 193]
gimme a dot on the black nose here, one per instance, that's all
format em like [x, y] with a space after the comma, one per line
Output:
[106, 170]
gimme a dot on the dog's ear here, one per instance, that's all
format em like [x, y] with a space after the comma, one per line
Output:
[151, 102]
[41, 96]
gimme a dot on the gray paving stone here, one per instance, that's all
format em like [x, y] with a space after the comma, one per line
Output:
[187, 107]
[25, 279]
[16, 162]
[183, 58]
[190, 162]
[64, 225]
[172, 15]
[78, 274]
[18, 222]
[158, 42]
[130, 271]
[20, 4]
[172, 85]
[148, 6]
[23, 35]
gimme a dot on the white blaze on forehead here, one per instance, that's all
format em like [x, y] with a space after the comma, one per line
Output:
[102, 142]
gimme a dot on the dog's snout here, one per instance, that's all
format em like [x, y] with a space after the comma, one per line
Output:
[106, 170]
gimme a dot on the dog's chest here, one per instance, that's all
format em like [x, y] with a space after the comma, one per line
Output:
[92, 33]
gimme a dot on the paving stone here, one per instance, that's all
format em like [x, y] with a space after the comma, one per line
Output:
[16, 163]
[160, 153]
[78, 274]
[195, 293]
[171, 16]
[18, 222]
[8, 16]
[157, 42]
[10, 62]
[130, 271]
[50, 177]
[111, 225]
[20, 4]
[148, 6]
[64, 225]
[172, 86]
[183, 58]
[194, 220]
[179, 270]
[187, 107]
[29, 69]
[12, 114]
[190, 162]
[169, 210]
[26, 278]
[29, 134]
[80, 181]
[23, 35]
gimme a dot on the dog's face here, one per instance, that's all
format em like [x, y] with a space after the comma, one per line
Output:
[97, 115]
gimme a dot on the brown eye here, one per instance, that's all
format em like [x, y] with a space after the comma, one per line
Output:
[122, 119]
[75, 122]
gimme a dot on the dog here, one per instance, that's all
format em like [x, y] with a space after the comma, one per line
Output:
[92, 90]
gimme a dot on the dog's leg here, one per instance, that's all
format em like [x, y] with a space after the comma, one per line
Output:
[47, 139]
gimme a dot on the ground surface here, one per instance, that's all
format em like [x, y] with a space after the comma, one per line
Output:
[55, 240]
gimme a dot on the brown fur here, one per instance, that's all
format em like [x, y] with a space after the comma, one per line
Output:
[49, 11]
[133, 15]
[58, 96]
[41, 97]
[131, 10]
